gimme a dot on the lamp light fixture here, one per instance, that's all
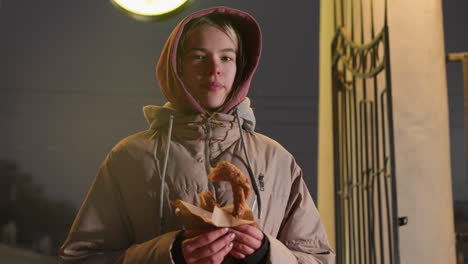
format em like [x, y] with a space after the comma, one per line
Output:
[150, 9]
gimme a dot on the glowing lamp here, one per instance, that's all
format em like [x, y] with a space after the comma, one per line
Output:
[149, 9]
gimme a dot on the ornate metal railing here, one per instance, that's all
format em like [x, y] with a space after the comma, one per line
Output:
[365, 187]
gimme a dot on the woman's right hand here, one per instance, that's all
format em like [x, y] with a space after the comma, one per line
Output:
[208, 247]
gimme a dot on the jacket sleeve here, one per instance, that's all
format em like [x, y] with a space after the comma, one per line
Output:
[301, 238]
[102, 232]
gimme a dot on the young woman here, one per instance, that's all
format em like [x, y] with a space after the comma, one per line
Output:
[205, 70]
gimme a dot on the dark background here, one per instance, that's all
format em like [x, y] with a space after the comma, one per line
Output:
[456, 40]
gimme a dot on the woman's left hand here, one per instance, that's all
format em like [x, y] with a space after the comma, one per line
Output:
[248, 240]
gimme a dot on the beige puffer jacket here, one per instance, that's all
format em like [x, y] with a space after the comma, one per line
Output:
[119, 220]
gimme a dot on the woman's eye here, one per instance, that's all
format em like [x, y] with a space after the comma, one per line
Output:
[198, 57]
[226, 58]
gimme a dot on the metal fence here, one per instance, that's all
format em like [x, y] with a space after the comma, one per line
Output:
[365, 187]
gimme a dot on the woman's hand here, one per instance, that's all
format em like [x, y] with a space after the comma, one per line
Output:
[207, 247]
[248, 240]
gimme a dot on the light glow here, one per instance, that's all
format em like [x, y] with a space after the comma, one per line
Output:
[150, 7]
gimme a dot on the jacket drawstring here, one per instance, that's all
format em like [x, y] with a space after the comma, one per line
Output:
[166, 158]
[163, 179]
[253, 181]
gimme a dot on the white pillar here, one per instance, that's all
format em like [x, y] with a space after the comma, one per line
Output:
[420, 107]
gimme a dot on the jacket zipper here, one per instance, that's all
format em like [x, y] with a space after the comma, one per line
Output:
[208, 131]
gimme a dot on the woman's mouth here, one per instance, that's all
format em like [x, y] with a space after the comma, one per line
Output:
[214, 86]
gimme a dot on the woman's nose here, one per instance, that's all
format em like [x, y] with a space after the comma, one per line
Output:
[214, 68]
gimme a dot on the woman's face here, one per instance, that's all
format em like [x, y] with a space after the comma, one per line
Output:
[209, 66]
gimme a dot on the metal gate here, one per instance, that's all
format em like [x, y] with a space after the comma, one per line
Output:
[365, 188]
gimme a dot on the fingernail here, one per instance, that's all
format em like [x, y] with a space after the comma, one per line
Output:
[225, 229]
[231, 244]
[232, 236]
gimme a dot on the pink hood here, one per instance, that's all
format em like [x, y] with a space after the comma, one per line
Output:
[166, 69]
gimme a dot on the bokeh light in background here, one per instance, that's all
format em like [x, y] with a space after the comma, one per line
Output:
[148, 10]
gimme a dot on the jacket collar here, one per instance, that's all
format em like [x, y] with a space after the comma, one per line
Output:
[158, 116]
[217, 130]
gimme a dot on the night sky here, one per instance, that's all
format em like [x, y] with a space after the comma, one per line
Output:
[76, 74]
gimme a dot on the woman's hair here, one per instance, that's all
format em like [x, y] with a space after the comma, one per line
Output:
[225, 24]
